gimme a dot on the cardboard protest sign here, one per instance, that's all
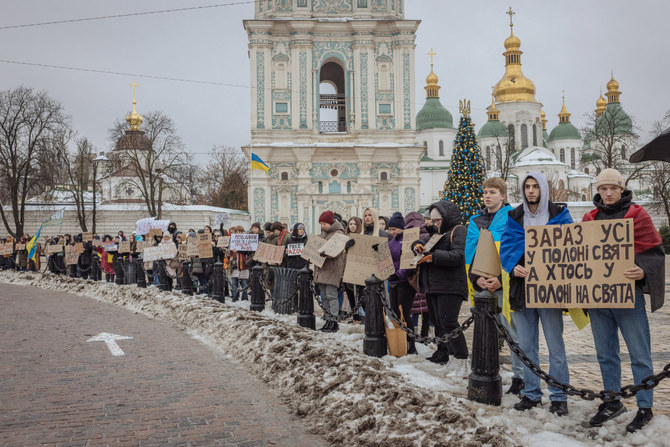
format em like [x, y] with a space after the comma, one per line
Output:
[383, 261]
[221, 219]
[311, 251]
[182, 253]
[204, 238]
[155, 232]
[486, 262]
[124, 247]
[205, 251]
[96, 242]
[409, 236]
[6, 249]
[244, 242]
[361, 262]
[191, 246]
[271, 254]
[139, 246]
[160, 251]
[79, 248]
[335, 245]
[580, 265]
[223, 242]
[434, 239]
[54, 249]
[20, 247]
[87, 236]
[294, 249]
[71, 256]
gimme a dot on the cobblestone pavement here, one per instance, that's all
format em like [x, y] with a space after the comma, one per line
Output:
[581, 352]
[168, 389]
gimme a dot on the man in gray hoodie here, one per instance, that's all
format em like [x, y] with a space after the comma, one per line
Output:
[536, 209]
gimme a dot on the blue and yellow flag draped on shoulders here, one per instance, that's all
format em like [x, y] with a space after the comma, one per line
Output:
[496, 228]
[258, 163]
[512, 247]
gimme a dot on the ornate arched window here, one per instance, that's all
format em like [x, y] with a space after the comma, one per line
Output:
[512, 140]
[441, 146]
[487, 159]
[524, 136]
[562, 156]
[572, 158]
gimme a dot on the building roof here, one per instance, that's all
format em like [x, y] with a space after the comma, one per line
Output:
[493, 128]
[564, 131]
[433, 115]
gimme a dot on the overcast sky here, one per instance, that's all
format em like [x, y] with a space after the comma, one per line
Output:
[568, 45]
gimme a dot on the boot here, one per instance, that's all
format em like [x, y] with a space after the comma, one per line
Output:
[517, 386]
[642, 418]
[411, 349]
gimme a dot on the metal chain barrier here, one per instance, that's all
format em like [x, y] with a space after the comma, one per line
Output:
[417, 337]
[627, 391]
[339, 317]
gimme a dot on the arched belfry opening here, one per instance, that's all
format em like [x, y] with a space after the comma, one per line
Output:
[332, 99]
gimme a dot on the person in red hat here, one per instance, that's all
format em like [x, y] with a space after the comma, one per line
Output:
[329, 276]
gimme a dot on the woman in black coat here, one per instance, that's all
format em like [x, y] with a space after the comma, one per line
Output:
[298, 237]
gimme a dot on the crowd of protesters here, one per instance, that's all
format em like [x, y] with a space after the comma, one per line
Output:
[436, 289]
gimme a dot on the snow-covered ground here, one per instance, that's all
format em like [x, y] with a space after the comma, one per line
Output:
[350, 398]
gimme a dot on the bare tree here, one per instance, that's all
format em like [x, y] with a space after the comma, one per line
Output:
[657, 175]
[77, 167]
[502, 154]
[154, 155]
[28, 120]
[224, 181]
[610, 136]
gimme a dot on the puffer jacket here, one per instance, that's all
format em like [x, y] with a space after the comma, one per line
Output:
[446, 273]
[333, 269]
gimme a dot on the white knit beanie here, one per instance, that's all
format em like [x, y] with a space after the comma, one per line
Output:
[609, 176]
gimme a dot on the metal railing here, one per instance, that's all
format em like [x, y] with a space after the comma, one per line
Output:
[333, 126]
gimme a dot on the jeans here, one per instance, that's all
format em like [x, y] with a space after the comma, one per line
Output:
[510, 326]
[238, 283]
[528, 331]
[634, 327]
[330, 301]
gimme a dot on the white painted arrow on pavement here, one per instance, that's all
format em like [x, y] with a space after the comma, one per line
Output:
[110, 341]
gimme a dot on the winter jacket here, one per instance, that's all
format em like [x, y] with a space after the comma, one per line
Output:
[297, 262]
[333, 268]
[446, 273]
[413, 220]
[395, 246]
[649, 253]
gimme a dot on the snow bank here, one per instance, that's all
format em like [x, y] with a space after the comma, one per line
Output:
[348, 397]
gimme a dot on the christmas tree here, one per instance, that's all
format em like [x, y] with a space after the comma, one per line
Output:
[467, 174]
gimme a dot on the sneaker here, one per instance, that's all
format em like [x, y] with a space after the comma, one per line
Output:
[457, 367]
[517, 386]
[526, 404]
[607, 411]
[642, 418]
[559, 408]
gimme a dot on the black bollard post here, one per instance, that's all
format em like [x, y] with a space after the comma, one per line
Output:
[141, 274]
[162, 275]
[186, 281]
[95, 266]
[118, 269]
[484, 382]
[374, 343]
[256, 286]
[217, 282]
[306, 299]
[73, 270]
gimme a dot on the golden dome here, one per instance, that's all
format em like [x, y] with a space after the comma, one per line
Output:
[612, 85]
[492, 111]
[134, 120]
[613, 92]
[564, 115]
[514, 86]
[601, 105]
[432, 78]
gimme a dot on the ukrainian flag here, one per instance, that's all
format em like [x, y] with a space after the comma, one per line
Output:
[32, 245]
[257, 163]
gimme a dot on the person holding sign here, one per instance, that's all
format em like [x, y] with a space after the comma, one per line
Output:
[329, 276]
[493, 218]
[401, 293]
[613, 201]
[536, 209]
[443, 279]
[296, 244]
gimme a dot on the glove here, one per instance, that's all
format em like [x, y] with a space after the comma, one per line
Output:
[427, 258]
[393, 277]
[375, 247]
[417, 247]
[431, 229]
[350, 243]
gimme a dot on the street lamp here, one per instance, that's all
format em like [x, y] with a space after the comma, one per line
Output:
[99, 159]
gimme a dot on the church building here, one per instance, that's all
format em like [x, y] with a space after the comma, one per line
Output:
[332, 109]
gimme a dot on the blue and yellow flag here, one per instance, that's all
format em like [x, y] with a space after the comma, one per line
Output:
[32, 245]
[257, 163]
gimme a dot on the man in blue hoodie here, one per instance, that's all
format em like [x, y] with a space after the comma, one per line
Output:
[536, 209]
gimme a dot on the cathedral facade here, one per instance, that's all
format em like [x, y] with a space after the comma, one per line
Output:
[332, 109]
